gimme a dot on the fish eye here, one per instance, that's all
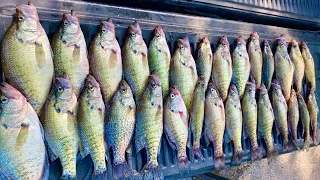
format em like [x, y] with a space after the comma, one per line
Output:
[21, 18]
[123, 90]
[223, 44]
[211, 89]
[65, 22]
[104, 30]
[181, 47]
[153, 85]
[132, 34]
[172, 96]
[158, 35]
[60, 89]
[4, 100]
[91, 88]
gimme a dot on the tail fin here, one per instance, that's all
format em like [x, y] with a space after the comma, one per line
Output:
[314, 138]
[256, 153]
[219, 161]
[237, 157]
[307, 143]
[183, 164]
[152, 171]
[271, 155]
[295, 143]
[197, 154]
[285, 146]
[121, 170]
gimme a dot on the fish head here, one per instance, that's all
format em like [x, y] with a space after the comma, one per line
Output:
[233, 91]
[70, 23]
[254, 37]
[204, 44]
[312, 95]
[300, 98]
[224, 43]
[107, 30]
[262, 90]
[212, 90]
[294, 44]
[293, 94]
[175, 98]
[154, 85]
[27, 18]
[276, 87]
[158, 33]
[240, 43]
[124, 93]
[92, 87]
[281, 42]
[11, 101]
[266, 46]
[251, 88]
[183, 45]
[134, 32]
[303, 46]
[62, 87]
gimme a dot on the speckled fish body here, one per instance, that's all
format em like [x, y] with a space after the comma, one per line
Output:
[293, 116]
[265, 120]
[149, 125]
[183, 73]
[255, 57]
[214, 123]
[268, 65]
[280, 108]
[120, 128]
[284, 67]
[22, 149]
[249, 114]
[234, 122]
[197, 116]
[60, 126]
[70, 52]
[204, 60]
[305, 118]
[135, 61]
[241, 65]
[159, 58]
[309, 65]
[91, 115]
[222, 67]
[298, 62]
[27, 58]
[313, 113]
[176, 125]
[105, 60]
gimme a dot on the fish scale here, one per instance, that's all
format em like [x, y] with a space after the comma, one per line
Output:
[298, 62]
[204, 60]
[268, 65]
[305, 118]
[309, 65]
[255, 57]
[293, 116]
[313, 112]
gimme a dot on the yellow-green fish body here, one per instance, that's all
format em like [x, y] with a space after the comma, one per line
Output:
[313, 113]
[149, 125]
[22, 148]
[305, 118]
[91, 115]
[27, 57]
[183, 72]
[293, 116]
[120, 128]
[298, 62]
[159, 59]
[197, 116]
[204, 60]
[135, 61]
[60, 126]
[105, 60]
[70, 52]
[176, 125]
[249, 114]
[309, 65]
[234, 122]
[255, 57]
[284, 67]
[280, 108]
[222, 67]
[268, 65]
[241, 65]
[214, 123]
[265, 120]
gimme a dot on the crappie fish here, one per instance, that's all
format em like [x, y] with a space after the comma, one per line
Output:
[284, 67]
[280, 108]
[293, 116]
[27, 57]
[197, 116]
[268, 65]
[183, 72]
[249, 114]
[234, 122]
[22, 149]
[60, 126]
[70, 52]
[159, 58]
[222, 67]
[176, 125]
[214, 123]
[255, 57]
[91, 115]
[204, 60]
[305, 118]
[241, 65]
[149, 126]
[309, 65]
[120, 128]
[135, 61]
[298, 62]
[313, 113]
[105, 60]
[265, 121]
